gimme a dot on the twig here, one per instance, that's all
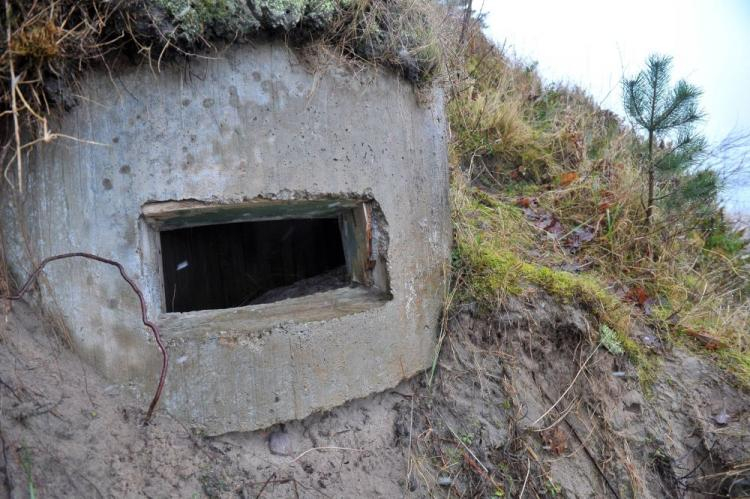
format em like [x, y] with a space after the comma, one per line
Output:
[144, 311]
[525, 480]
[564, 413]
[265, 484]
[325, 448]
[443, 323]
[93, 485]
[11, 389]
[13, 102]
[572, 383]
[411, 428]
[585, 448]
[593, 460]
[40, 410]
[484, 468]
[86, 386]
[697, 466]
[282, 481]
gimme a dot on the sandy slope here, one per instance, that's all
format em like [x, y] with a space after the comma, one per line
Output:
[477, 430]
[71, 434]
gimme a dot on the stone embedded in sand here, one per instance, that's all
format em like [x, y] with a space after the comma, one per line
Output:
[722, 418]
[444, 481]
[279, 443]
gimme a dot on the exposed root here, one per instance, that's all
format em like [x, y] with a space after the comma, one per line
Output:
[144, 312]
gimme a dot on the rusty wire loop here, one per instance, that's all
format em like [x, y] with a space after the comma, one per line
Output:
[144, 312]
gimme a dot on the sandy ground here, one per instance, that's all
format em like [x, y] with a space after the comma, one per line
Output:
[547, 411]
[67, 433]
[522, 402]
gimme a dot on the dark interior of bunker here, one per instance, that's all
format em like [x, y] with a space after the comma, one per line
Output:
[237, 264]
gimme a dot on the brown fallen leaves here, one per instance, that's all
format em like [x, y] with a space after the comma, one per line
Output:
[568, 178]
[548, 222]
[555, 440]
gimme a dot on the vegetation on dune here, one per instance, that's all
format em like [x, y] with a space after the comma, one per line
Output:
[492, 259]
[552, 190]
[488, 233]
[553, 198]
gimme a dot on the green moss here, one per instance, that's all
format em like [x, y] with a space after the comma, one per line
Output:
[395, 33]
[491, 239]
[492, 236]
[737, 363]
[497, 271]
[492, 272]
[279, 6]
[196, 18]
[278, 14]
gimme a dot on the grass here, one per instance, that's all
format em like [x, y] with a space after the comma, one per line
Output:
[27, 466]
[493, 244]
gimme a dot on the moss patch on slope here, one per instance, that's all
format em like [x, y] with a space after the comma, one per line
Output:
[491, 257]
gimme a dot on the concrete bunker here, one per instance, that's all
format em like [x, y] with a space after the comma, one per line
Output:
[257, 155]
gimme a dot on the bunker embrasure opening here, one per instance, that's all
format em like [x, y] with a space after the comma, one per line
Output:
[226, 256]
[238, 264]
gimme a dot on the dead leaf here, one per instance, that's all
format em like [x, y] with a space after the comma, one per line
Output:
[555, 440]
[519, 172]
[577, 237]
[708, 341]
[541, 219]
[552, 225]
[568, 178]
[637, 294]
[573, 268]
[526, 202]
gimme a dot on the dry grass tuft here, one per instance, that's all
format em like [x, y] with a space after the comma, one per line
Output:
[403, 35]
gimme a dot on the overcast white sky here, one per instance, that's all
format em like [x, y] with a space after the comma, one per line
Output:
[590, 43]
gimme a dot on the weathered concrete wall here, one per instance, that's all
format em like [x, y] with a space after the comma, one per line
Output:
[254, 122]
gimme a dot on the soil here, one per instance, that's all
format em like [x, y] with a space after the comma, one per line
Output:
[469, 430]
[687, 435]
[333, 279]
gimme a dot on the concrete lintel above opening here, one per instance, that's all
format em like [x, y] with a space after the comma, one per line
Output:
[169, 215]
